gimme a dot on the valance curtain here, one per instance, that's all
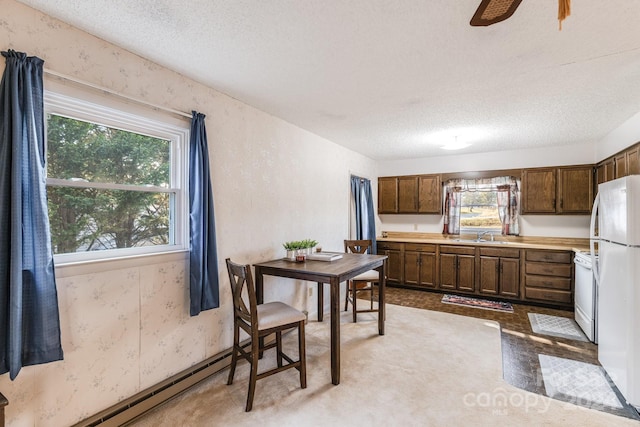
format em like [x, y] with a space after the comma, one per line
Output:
[363, 201]
[204, 290]
[508, 198]
[29, 314]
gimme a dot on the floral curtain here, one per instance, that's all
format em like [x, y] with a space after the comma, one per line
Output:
[452, 205]
[508, 206]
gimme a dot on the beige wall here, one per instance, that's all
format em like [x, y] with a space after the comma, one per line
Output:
[125, 325]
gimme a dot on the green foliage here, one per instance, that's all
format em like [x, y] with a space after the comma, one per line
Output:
[299, 244]
[92, 218]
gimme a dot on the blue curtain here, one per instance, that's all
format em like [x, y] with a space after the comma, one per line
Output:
[30, 330]
[203, 253]
[363, 200]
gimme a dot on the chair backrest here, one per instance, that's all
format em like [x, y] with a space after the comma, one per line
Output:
[241, 279]
[357, 246]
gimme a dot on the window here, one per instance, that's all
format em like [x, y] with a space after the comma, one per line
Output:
[479, 205]
[479, 212]
[116, 179]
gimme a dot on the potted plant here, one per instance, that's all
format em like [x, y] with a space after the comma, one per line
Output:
[309, 244]
[292, 248]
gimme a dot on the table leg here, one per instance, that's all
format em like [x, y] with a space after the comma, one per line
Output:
[320, 301]
[335, 331]
[382, 271]
[259, 299]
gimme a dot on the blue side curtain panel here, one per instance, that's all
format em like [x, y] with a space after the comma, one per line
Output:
[30, 330]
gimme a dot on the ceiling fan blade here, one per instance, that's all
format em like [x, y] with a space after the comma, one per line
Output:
[492, 11]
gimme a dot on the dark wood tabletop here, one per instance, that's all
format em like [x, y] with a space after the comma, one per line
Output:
[334, 273]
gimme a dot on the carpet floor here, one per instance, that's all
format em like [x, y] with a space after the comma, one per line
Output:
[431, 368]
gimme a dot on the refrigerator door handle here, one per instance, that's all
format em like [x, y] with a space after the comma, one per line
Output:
[593, 238]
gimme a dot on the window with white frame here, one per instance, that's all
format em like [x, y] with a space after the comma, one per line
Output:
[116, 179]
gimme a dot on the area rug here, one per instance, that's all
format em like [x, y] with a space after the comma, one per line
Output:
[555, 326]
[580, 383]
[477, 303]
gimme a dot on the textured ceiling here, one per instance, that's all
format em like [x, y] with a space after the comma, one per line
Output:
[395, 79]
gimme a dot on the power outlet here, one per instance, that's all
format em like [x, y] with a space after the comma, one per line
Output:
[310, 291]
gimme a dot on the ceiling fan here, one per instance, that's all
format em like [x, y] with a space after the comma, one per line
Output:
[493, 11]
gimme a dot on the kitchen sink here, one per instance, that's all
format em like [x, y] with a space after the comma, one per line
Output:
[483, 241]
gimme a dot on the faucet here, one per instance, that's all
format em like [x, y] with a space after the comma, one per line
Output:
[482, 233]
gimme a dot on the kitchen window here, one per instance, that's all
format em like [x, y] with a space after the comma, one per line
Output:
[116, 179]
[482, 205]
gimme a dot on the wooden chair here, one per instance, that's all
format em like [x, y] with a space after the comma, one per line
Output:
[361, 283]
[260, 321]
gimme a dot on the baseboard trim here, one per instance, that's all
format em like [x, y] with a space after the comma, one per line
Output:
[128, 409]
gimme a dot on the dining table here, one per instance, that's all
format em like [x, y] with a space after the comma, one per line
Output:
[333, 273]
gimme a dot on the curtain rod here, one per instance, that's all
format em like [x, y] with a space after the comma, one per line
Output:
[103, 89]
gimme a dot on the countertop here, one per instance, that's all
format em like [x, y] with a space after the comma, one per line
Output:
[533, 242]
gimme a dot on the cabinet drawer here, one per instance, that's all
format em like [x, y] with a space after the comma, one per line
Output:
[419, 247]
[561, 270]
[462, 250]
[550, 295]
[391, 246]
[549, 256]
[500, 252]
[548, 282]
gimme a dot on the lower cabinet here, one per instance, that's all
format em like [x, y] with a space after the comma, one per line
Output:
[549, 277]
[540, 276]
[395, 262]
[420, 265]
[457, 268]
[499, 272]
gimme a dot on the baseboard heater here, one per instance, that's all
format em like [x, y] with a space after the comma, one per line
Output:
[136, 405]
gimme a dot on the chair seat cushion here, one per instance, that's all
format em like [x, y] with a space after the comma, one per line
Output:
[277, 313]
[368, 276]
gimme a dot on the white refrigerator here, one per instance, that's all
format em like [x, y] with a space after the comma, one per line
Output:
[618, 283]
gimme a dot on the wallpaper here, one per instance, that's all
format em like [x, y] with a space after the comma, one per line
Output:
[126, 326]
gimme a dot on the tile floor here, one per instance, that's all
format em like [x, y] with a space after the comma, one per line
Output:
[521, 347]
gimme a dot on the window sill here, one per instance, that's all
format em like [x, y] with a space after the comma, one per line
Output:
[78, 268]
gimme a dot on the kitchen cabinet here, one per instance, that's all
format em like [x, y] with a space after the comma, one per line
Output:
[620, 162]
[499, 272]
[575, 190]
[429, 194]
[563, 190]
[539, 191]
[411, 194]
[633, 161]
[387, 195]
[457, 268]
[548, 277]
[407, 194]
[395, 262]
[605, 172]
[420, 265]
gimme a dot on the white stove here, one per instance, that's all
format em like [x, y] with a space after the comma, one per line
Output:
[586, 295]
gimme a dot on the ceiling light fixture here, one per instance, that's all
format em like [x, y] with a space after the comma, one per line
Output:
[455, 145]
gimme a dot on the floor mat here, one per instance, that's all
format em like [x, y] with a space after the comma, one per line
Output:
[562, 327]
[580, 383]
[478, 303]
